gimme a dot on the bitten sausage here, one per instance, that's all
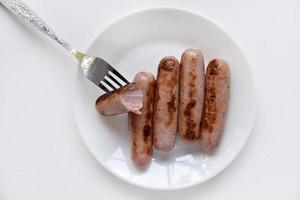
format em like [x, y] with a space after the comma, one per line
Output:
[217, 93]
[166, 104]
[140, 126]
[192, 78]
[125, 99]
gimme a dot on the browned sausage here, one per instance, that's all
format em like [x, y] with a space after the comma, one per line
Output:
[192, 78]
[166, 104]
[140, 126]
[217, 93]
[125, 99]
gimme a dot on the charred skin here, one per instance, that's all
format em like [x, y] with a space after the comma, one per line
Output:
[140, 126]
[166, 104]
[217, 94]
[192, 83]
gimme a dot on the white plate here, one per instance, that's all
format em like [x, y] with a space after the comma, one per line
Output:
[136, 43]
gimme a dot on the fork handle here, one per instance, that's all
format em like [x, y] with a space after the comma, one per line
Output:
[19, 8]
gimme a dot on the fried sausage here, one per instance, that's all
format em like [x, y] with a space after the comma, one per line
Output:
[217, 93]
[166, 104]
[140, 126]
[192, 78]
[125, 99]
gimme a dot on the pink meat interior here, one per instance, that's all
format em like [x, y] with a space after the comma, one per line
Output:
[133, 99]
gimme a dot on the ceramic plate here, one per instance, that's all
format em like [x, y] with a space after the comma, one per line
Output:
[136, 43]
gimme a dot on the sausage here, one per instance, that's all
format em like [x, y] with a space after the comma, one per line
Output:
[140, 126]
[192, 80]
[217, 93]
[125, 99]
[166, 104]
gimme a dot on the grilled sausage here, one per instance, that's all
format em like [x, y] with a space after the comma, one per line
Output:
[217, 93]
[166, 104]
[192, 78]
[140, 126]
[125, 99]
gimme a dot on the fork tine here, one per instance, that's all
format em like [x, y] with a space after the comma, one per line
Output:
[114, 80]
[118, 75]
[103, 87]
[109, 84]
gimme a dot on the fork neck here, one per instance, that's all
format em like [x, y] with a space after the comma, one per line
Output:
[79, 56]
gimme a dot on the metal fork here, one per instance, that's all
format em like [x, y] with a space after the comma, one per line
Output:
[94, 68]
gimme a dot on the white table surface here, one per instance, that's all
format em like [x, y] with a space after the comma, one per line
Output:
[41, 153]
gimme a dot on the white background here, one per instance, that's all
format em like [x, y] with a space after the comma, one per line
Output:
[41, 153]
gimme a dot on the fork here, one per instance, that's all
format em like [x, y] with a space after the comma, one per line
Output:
[94, 68]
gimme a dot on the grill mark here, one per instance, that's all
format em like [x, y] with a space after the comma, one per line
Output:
[192, 87]
[190, 123]
[189, 107]
[168, 79]
[210, 105]
[147, 129]
[172, 103]
[210, 109]
[149, 103]
[142, 140]
[171, 109]
[147, 132]
[147, 150]
[149, 115]
[214, 69]
[190, 133]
